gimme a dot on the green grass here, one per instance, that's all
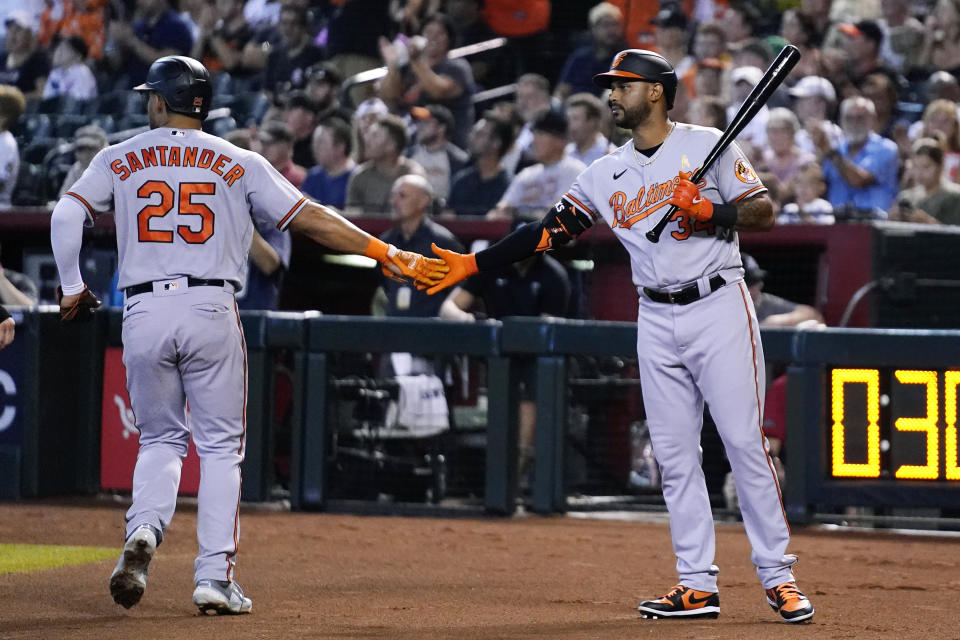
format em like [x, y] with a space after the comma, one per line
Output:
[24, 558]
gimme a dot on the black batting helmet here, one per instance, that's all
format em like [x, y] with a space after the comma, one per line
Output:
[183, 83]
[641, 65]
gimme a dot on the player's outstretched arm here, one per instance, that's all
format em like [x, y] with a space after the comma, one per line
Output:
[563, 223]
[327, 227]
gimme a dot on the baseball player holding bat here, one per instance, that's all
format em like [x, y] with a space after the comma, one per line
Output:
[698, 338]
[184, 202]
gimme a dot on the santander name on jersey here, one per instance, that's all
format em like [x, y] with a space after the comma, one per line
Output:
[175, 156]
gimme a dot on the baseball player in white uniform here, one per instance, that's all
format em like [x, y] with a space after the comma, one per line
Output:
[698, 338]
[183, 202]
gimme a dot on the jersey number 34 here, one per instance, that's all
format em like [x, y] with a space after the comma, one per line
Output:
[187, 207]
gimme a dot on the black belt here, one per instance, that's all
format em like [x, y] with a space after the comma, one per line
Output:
[147, 287]
[686, 295]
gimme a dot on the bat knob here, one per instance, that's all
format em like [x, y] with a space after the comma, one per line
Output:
[653, 236]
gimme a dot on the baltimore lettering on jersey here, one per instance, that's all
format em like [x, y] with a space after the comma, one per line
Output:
[171, 156]
[628, 213]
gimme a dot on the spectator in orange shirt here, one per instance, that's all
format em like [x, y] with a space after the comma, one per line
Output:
[84, 18]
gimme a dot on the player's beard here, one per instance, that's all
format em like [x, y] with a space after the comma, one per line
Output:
[632, 118]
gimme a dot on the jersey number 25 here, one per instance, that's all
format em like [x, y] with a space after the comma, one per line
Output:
[186, 207]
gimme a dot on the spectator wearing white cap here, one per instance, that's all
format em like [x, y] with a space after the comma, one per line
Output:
[70, 75]
[87, 142]
[814, 102]
[754, 135]
[23, 64]
[364, 117]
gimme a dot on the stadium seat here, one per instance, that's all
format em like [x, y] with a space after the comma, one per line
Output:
[249, 108]
[220, 126]
[132, 121]
[105, 121]
[67, 124]
[29, 190]
[134, 103]
[37, 149]
[222, 100]
[221, 83]
[50, 105]
[33, 126]
[113, 103]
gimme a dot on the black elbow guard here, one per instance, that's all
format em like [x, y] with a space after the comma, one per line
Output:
[564, 223]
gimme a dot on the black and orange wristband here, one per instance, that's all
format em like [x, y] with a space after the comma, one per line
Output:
[724, 214]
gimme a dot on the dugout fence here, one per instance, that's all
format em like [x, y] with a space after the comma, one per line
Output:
[871, 417]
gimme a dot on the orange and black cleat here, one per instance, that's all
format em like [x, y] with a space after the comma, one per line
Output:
[792, 605]
[682, 602]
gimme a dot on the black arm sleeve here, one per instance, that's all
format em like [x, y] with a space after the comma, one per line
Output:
[4, 314]
[519, 244]
[563, 223]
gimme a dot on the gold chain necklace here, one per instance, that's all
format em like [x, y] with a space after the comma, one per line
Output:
[645, 161]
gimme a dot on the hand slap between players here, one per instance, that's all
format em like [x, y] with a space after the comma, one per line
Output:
[403, 265]
[686, 197]
[461, 266]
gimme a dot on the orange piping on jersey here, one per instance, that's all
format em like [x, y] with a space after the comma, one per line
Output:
[93, 214]
[236, 515]
[756, 386]
[581, 205]
[746, 193]
[290, 213]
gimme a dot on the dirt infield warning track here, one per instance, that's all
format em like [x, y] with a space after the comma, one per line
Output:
[336, 576]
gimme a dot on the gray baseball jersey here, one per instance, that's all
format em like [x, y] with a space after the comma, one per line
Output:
[630, 192]
[707, 350]
[183, 202]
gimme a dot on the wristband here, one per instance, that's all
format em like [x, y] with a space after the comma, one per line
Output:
[724, 214]
[376, 249]
[4, 314]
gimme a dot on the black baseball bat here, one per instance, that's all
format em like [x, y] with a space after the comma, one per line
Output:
[775, 74]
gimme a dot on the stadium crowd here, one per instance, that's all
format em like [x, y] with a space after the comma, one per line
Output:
[866, 127]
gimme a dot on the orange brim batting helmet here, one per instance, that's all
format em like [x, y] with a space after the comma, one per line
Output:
[641, 65]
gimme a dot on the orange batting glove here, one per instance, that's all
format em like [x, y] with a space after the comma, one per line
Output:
[686, 197]
[462, 266]
[399, 264]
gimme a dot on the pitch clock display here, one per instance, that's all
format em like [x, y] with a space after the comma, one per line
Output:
[892, 424]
